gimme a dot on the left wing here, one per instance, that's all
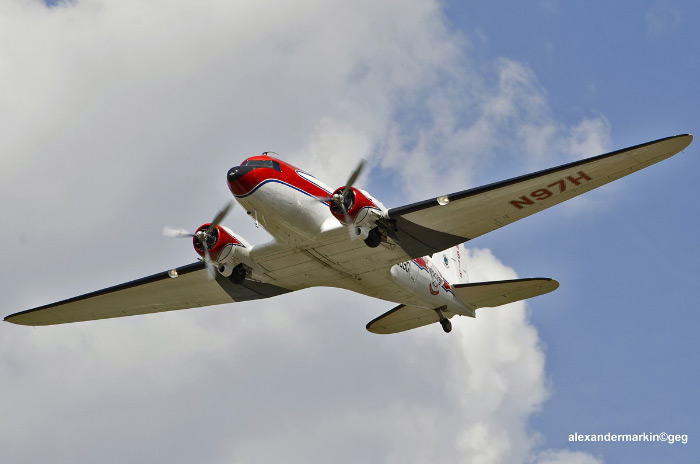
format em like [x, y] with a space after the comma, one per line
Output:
[440, 223]
[181, 288]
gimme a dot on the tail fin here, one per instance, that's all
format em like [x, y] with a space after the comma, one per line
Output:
[452, 264]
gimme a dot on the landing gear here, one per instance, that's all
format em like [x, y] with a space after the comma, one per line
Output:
[444, 321]
[446, 325]
[238, 274]
[374, 238]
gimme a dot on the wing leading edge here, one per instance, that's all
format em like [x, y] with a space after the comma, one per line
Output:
[433, 225]
[181, 288]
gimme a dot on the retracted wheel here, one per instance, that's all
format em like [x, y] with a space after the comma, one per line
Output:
[374, 238]
[446, 325]
[238, 274]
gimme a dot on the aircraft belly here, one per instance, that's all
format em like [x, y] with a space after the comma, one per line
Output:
[288, 214]
[312, 248]
[297, 269]
[377, 283]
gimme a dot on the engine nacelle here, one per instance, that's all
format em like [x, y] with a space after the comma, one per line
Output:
[225, 247]
[362, 209]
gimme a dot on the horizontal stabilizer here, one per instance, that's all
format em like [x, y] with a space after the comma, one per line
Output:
[497, 293]
[475, 295]
[403, 318]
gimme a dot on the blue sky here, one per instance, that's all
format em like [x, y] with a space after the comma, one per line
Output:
[620, 360]
[120, 118]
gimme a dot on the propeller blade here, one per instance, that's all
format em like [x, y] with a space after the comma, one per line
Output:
[207, 259]
[170, 232]
[348, 222]
[355, 174]
[219, 217]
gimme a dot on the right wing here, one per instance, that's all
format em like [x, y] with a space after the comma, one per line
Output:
[434, 225]
[181, 288]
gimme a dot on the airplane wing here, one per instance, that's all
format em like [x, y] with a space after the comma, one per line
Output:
[437, 224]
[180, 288]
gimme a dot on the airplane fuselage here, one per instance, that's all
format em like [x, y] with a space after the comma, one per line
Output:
[294, 207]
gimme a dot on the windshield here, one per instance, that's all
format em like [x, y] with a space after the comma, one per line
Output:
[263, 163]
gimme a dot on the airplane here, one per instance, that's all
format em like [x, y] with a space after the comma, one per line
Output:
[412, 255]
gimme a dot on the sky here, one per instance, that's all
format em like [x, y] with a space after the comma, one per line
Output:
[119, 118]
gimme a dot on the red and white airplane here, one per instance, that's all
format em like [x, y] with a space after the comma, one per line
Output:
[412, 255]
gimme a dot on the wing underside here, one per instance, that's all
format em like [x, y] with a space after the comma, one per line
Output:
[437, 224]
[181, 288]
[404, 317]
[497, 293]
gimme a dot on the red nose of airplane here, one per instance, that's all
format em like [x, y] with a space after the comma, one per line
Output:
[238, 181]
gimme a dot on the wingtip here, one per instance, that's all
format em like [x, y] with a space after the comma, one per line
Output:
[677, 143]
[687, 138]
[9, 318]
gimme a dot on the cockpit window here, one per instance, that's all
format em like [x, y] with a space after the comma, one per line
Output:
[263, 164]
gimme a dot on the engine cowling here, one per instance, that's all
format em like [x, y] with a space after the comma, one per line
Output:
[361, 208]
[224, 246]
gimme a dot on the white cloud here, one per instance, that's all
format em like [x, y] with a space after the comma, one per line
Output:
[589, 137]
[663, 18]
[118, 118]
[472, 119]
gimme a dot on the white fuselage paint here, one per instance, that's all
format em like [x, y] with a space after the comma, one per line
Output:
[295, 218]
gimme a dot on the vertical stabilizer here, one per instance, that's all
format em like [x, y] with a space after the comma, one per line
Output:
[452, 264]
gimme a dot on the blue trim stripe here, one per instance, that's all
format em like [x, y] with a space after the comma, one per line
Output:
[299, 173]
[283, 183]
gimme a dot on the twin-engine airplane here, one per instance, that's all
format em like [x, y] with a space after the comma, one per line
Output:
[413, 254]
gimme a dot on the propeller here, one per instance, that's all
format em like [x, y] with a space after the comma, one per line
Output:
[170, 232]
[344, 199]
[220, 216]
[203, 236]
[355, 174]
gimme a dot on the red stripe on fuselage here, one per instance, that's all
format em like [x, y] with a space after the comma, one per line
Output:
[247, 183]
